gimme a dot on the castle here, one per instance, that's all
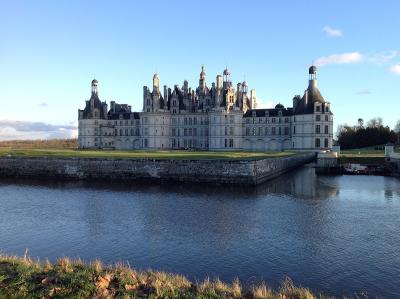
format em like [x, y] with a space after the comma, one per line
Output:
[219, 117]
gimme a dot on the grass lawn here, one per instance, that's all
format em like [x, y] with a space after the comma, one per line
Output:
[362, 153]
[362, 156]
[190, 155]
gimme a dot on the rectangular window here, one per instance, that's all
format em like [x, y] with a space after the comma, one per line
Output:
[294, 130]
[226, 142]
[317, 129]
[317, 142]
[326, 142]
[273, 131]
[326, 117]
[326, 129]
[318, 108]
[286, 130]
[318, 117]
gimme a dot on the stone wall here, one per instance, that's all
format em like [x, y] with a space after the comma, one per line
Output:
[210, 171]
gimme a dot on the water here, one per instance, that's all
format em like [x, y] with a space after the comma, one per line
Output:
[334, 234]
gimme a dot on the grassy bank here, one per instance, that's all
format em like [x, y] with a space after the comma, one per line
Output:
[191, 155]
[41, 144]
[362, 156]
[25, 278]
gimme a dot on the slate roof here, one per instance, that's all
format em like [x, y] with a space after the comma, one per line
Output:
[125, 115]
[87, 112]
[313, 95]
[268, 112]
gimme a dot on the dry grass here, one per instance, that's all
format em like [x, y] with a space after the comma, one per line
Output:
[141, 154]
[27, 278]
[41, 144]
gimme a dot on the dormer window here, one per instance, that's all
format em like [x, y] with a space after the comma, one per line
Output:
[318, 108]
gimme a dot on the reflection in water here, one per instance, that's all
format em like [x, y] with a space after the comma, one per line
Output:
[336, 234]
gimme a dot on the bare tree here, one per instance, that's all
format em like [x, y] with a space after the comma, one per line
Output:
[397, 127]
[375, 122]
[360, 122]
[397, 131]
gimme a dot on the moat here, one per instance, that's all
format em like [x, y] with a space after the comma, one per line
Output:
[334, 234]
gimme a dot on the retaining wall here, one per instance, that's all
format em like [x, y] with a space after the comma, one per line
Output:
[211, 171]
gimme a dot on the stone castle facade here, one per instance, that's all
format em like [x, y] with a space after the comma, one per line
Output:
[216, 117]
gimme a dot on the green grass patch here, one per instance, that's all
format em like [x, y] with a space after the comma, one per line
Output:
[368, 155]
[362, 159]
[363, 153]
[26, 278]
[188, 155]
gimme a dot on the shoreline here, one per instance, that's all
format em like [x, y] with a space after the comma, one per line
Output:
[215, 171]
[23, 277]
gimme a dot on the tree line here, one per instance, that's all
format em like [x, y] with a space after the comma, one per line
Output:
[373, 133]
[42, 144]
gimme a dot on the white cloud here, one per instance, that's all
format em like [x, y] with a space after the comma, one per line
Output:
[379, 59]
[344, 58]
[395, 69]
[382, 57]
[43, 104]
[262, 104]
[331, 32]
[363, 92]
[13, 130]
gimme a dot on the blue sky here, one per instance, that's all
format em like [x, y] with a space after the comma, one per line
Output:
[51, 50]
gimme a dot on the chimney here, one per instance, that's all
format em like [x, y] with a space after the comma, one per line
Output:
[165, 93]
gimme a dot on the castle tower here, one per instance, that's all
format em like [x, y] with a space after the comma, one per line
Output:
[253, 99]
[95, 87]
[227, 78]
[245, 88]
[312, 78]
[239, 92]
[202, 80]
[156, 83]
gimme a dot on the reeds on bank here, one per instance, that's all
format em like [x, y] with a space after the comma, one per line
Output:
[22, 277]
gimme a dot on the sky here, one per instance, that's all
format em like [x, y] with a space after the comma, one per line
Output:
[51, 50]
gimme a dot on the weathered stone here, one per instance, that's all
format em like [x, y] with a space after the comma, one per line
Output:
[250, 172]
